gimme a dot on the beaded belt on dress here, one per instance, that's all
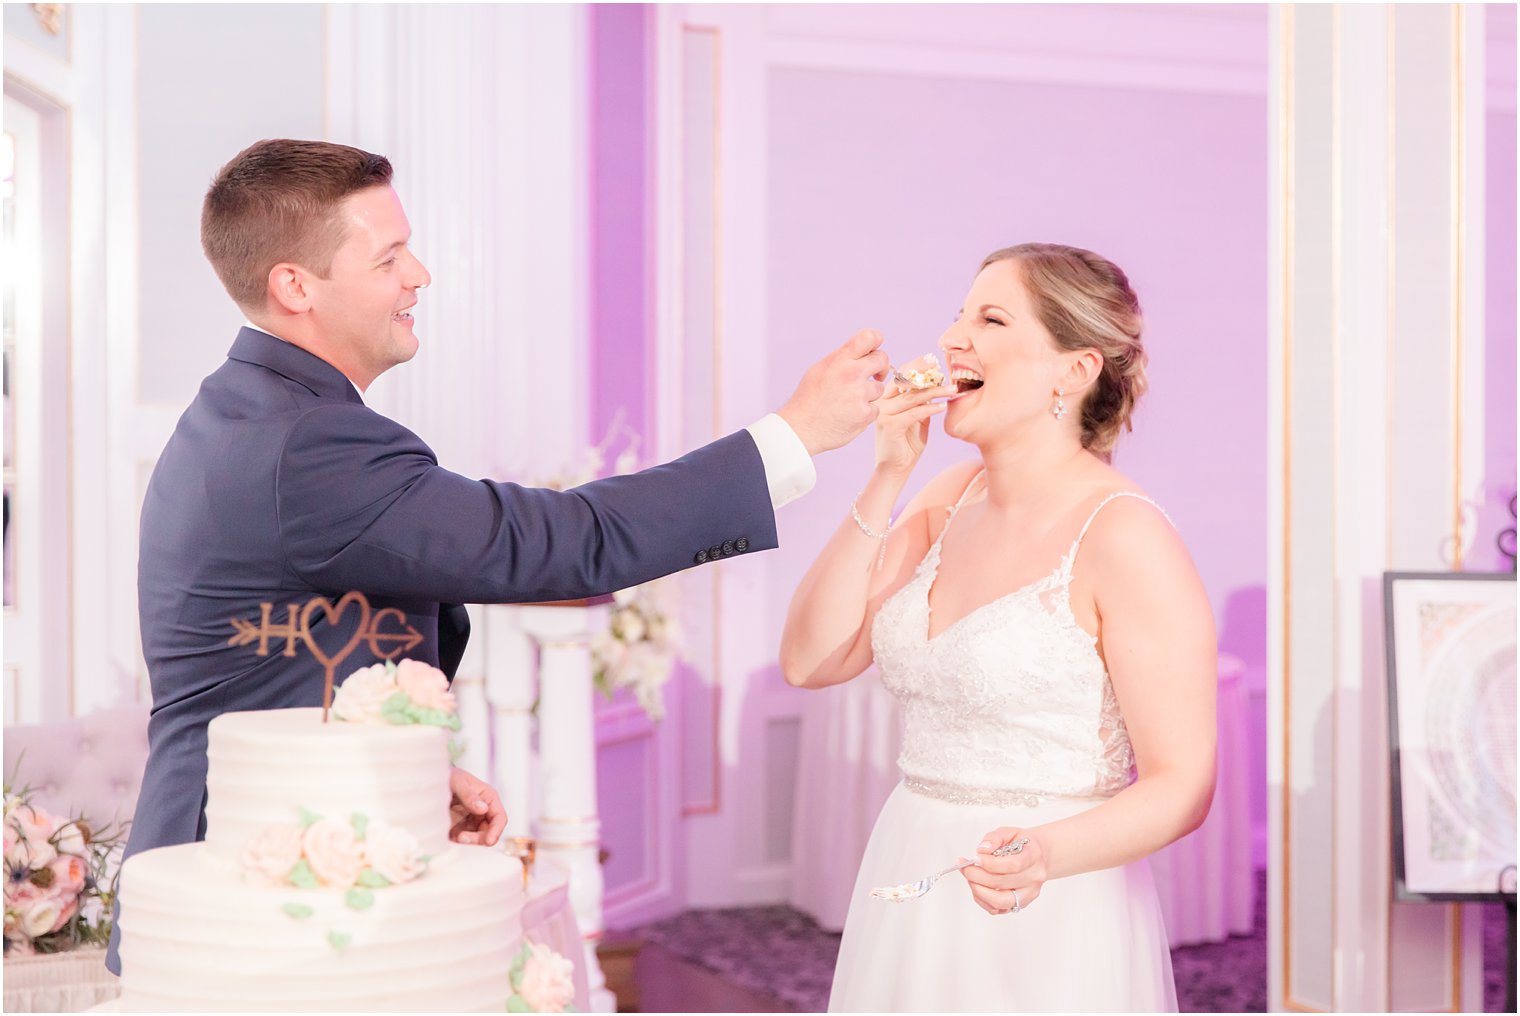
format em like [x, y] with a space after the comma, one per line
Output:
[996, 796]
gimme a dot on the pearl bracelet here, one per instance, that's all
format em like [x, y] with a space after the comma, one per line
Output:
[881, 556]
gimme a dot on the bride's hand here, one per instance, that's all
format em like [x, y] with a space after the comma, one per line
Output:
[994, 880]
[902, 425]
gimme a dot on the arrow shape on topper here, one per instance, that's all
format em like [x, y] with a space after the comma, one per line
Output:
[409, 638]
[246, 632]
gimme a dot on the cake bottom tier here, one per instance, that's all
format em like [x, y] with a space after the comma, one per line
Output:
[194, 936]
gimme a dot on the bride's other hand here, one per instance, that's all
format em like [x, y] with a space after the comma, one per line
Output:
[994, 879]
[902, 425]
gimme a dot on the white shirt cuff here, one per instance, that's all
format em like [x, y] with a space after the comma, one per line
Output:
[789, 471]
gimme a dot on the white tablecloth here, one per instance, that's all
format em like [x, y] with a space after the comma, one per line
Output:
[847, 758]
[78, 981]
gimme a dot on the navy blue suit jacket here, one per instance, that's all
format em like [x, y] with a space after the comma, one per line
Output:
[279, 485]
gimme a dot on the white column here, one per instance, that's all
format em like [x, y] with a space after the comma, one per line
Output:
[568, 829]
[510, 684]
[1376, 438]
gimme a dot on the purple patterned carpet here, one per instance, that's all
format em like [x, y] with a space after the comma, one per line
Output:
[781, 951]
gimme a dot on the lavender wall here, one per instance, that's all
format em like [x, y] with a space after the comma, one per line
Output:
[1499, 364]
[622, 294]
[1170, 186]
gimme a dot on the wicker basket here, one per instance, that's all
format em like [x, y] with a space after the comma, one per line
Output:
[59, 982]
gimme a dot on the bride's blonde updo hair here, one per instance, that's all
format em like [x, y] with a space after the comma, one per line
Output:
[1085, 302]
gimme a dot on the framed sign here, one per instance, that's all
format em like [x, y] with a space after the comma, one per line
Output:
[1451, 716]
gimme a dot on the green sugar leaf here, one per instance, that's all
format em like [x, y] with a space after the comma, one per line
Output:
[302, 876]
[434, 717]
[339, 940]
[516, 1004]
[372, 879]
[308, 817]
[361, 824]
[397, 709]
[359, 899]
[299, 911]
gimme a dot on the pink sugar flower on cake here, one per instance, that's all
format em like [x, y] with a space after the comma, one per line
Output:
[333, 851]
[272, 853]
[360, 697]
[426, 686]
[392, 853]
[547, 981]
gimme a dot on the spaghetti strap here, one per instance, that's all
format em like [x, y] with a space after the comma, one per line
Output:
[1071, 555]
[952, 509]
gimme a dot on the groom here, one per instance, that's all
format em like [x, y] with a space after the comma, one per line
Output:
[279, 485]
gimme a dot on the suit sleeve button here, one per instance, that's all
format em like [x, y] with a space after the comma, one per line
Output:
[728, 548]
[714, 552]
[741, 544]
[701, 557]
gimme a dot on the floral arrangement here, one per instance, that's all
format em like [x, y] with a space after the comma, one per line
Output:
[638, 648]
[542, 981]
[404, 693]
[60, 879]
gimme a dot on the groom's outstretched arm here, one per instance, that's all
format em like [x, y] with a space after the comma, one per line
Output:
[363, 504]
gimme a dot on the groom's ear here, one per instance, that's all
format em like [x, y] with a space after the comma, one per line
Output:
[289, 287]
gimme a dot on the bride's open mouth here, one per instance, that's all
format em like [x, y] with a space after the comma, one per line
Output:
[966, 380]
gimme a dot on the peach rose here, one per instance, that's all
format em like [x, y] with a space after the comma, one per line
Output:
[548, 983]
[271, 854]
[359, 698]
[69, 874]
[335, 854]
[41, 917]
[393, 853]
[426, 686]
[34, 828]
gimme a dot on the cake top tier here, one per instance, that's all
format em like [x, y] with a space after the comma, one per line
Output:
[267, 768]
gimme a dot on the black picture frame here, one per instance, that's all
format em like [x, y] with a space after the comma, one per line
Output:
[1479, 604]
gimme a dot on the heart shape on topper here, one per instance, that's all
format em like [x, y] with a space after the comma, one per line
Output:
[333, 612]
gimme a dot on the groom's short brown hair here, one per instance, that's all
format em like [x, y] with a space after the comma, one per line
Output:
[276, 201]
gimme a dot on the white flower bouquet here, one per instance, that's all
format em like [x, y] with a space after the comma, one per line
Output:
[639, 647]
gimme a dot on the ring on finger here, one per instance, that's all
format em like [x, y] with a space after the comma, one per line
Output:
[1016, 905]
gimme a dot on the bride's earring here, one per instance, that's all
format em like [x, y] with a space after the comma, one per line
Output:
[1059, 409]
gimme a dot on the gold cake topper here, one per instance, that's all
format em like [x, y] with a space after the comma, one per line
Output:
[297, 630]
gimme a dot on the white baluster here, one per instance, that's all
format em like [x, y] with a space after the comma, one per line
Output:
[568, 828]
[509, 677]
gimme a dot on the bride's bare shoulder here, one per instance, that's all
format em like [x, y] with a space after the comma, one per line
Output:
[928, 507]
[946, 487]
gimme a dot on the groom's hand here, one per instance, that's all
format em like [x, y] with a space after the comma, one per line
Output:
[833, 403]
[474, 809]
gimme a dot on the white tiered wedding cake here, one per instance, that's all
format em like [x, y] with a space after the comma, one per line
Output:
[326, 880]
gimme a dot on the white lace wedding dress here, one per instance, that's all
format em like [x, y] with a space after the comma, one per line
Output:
[1009, 720]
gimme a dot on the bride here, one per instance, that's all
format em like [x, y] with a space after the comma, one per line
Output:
[1052, 647]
